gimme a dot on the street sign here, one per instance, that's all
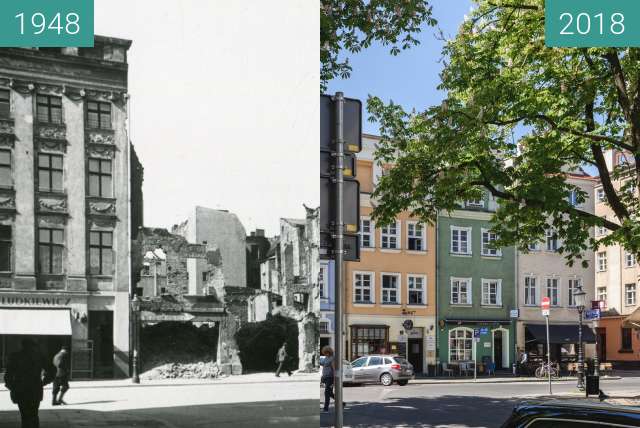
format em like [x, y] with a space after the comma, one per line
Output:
[592, 314]
[351, 201]
[352, 117]
[514, 313]
[351, 246]
[484, 330]
[545, 304]
[328, 162]
[476, 332]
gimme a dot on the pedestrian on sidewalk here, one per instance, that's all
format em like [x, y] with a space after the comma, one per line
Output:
[61, 381]
[282, 360]
[328, 373]
[24, 378]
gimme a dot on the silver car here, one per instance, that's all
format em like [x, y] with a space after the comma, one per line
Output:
[384, 369]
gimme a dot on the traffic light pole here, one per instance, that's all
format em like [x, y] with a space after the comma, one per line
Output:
[339, 254]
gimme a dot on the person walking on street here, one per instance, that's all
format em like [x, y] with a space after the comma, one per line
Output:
[24, 378]
[328, 374]
[281, 359]
[61, 381]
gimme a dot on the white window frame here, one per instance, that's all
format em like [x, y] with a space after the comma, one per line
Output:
[469, 291]
[323, 284]
[467, 330]
[601, 230]
[485, 301]
[557, 289]
[600, 295]
[371, 234]
[536, 290]
[629, 259]
[601, 196]
[414, 276]
[549, 234]
[398, 288]
[486, 250]
[422, 237]
[372, 287]
[460, 229]
[630, 290]
[601, 262]
[474, 203]
[397, 236]
[570, 288]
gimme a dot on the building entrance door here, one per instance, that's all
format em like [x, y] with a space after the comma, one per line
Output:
[415, 354]
[101, 334]
[497, 349]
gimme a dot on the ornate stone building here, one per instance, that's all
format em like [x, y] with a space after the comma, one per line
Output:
[64, 203]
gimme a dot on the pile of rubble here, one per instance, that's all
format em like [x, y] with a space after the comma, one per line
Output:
[200, 370]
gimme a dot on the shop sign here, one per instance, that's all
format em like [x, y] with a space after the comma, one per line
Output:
[484, 330]
[17, 300]
[431, 343]
[487, 344]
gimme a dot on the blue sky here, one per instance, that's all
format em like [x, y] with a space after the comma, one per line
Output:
[409, 79]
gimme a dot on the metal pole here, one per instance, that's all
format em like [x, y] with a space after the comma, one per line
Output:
[136, 340]
[339, 247]
[580, 353]
[475, 360]
[546, 318]
[596, 358]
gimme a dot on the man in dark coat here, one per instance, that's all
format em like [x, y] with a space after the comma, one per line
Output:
[281, 359]
[61, 381]
[24, 379]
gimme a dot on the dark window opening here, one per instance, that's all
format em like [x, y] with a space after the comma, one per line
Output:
[51, 248]
[101, 253]
[626, 339]
[6, 179]
[5, 248]
[100, 178]
[50, 173]
[5, 103]
[49, 109]
[98, 115]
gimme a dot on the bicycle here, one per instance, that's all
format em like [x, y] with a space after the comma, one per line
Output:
[544, 369]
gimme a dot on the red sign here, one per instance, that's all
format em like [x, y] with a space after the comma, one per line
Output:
[545, 303]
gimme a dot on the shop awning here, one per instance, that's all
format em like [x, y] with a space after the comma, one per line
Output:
[561, 333]
[35, 322]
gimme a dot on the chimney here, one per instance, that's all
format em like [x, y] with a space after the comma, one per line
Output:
[260, 232]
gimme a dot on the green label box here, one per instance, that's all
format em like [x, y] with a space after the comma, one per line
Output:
[46, 23]
[592, 23]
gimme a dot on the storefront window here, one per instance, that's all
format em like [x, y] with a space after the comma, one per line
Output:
[460, 344]
[368, 340]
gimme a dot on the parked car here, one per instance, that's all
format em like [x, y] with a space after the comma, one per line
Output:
[384, 369]
[347, 373]
[572, 414]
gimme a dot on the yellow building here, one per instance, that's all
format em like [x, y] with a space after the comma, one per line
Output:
[393, 283]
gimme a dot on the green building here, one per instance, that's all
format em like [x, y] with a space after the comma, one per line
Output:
[476, 289]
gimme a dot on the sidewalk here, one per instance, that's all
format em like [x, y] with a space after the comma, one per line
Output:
[251, 378]
[501, 379]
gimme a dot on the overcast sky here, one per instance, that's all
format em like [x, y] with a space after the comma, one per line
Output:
[224, 107]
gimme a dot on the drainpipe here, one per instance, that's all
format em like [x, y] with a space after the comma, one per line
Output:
[517, 307]
[436, 303]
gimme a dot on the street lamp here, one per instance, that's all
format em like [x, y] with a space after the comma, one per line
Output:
[579, 297]
[135, 311]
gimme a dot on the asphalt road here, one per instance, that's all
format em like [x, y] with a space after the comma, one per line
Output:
[451, 405]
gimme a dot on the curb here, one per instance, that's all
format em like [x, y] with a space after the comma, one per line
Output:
[501, 380]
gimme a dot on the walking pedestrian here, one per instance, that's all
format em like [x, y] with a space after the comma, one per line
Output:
[24, 378]
[282, 360]
[61, 381]
[328, 375]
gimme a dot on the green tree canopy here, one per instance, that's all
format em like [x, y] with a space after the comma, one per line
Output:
[352, 25]
[568, 106]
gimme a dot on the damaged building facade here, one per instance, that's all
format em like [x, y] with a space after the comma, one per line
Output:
[290, 283]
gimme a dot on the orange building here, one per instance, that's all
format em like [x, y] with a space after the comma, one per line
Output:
[390, 295]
